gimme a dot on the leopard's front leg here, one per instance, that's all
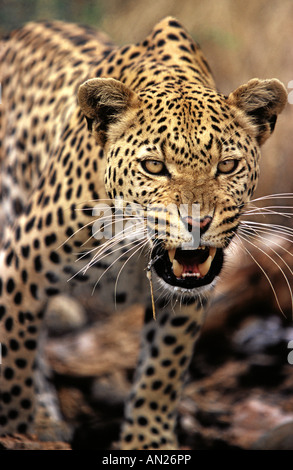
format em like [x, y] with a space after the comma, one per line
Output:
[166, 350]
[27, 268]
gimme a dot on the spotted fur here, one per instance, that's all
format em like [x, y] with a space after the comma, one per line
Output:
[83, 121]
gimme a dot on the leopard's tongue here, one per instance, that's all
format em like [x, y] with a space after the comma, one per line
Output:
[189, 266]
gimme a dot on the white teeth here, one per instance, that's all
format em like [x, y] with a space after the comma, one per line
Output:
[202, 268]
[171, 254]
[184, 275]
[205, 267]
[177, 268]
[212, 251]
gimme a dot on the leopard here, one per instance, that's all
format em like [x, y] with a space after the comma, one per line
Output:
[124, 173]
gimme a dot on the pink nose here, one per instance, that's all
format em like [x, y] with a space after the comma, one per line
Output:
[203, 224]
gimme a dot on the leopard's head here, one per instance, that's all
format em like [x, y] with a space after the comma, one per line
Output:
[187, 156]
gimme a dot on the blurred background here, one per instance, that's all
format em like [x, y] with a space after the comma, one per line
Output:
[239, 392]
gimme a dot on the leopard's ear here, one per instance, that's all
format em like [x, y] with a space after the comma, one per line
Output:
[104, 101]
[262, 101]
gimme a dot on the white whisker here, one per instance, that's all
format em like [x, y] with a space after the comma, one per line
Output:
[267, 230]
[112, 223]
[109, 245]
[273, 196]
[248, 233]
[141, 243]
[263, 271]
[239, 236]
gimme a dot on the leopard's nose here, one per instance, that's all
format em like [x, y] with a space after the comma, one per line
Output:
[201, 224]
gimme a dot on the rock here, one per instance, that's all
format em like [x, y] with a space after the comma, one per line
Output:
[278, 438]
[21, 442]
[64, 314]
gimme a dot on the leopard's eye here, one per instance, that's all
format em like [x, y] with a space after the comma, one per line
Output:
[154, 167]
[227, 166]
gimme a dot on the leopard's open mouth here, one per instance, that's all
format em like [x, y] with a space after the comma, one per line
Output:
[188, 269]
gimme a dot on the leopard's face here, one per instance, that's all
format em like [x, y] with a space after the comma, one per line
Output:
[192, 173]
[187, 161]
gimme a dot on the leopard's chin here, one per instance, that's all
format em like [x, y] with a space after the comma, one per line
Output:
[188, 272]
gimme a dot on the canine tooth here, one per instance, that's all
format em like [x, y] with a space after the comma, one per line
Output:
[205, 267]
[212, 251]
[177, 268]
[171, 254]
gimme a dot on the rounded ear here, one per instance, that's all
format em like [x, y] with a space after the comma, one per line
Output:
[104, 101]
[262, 101]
